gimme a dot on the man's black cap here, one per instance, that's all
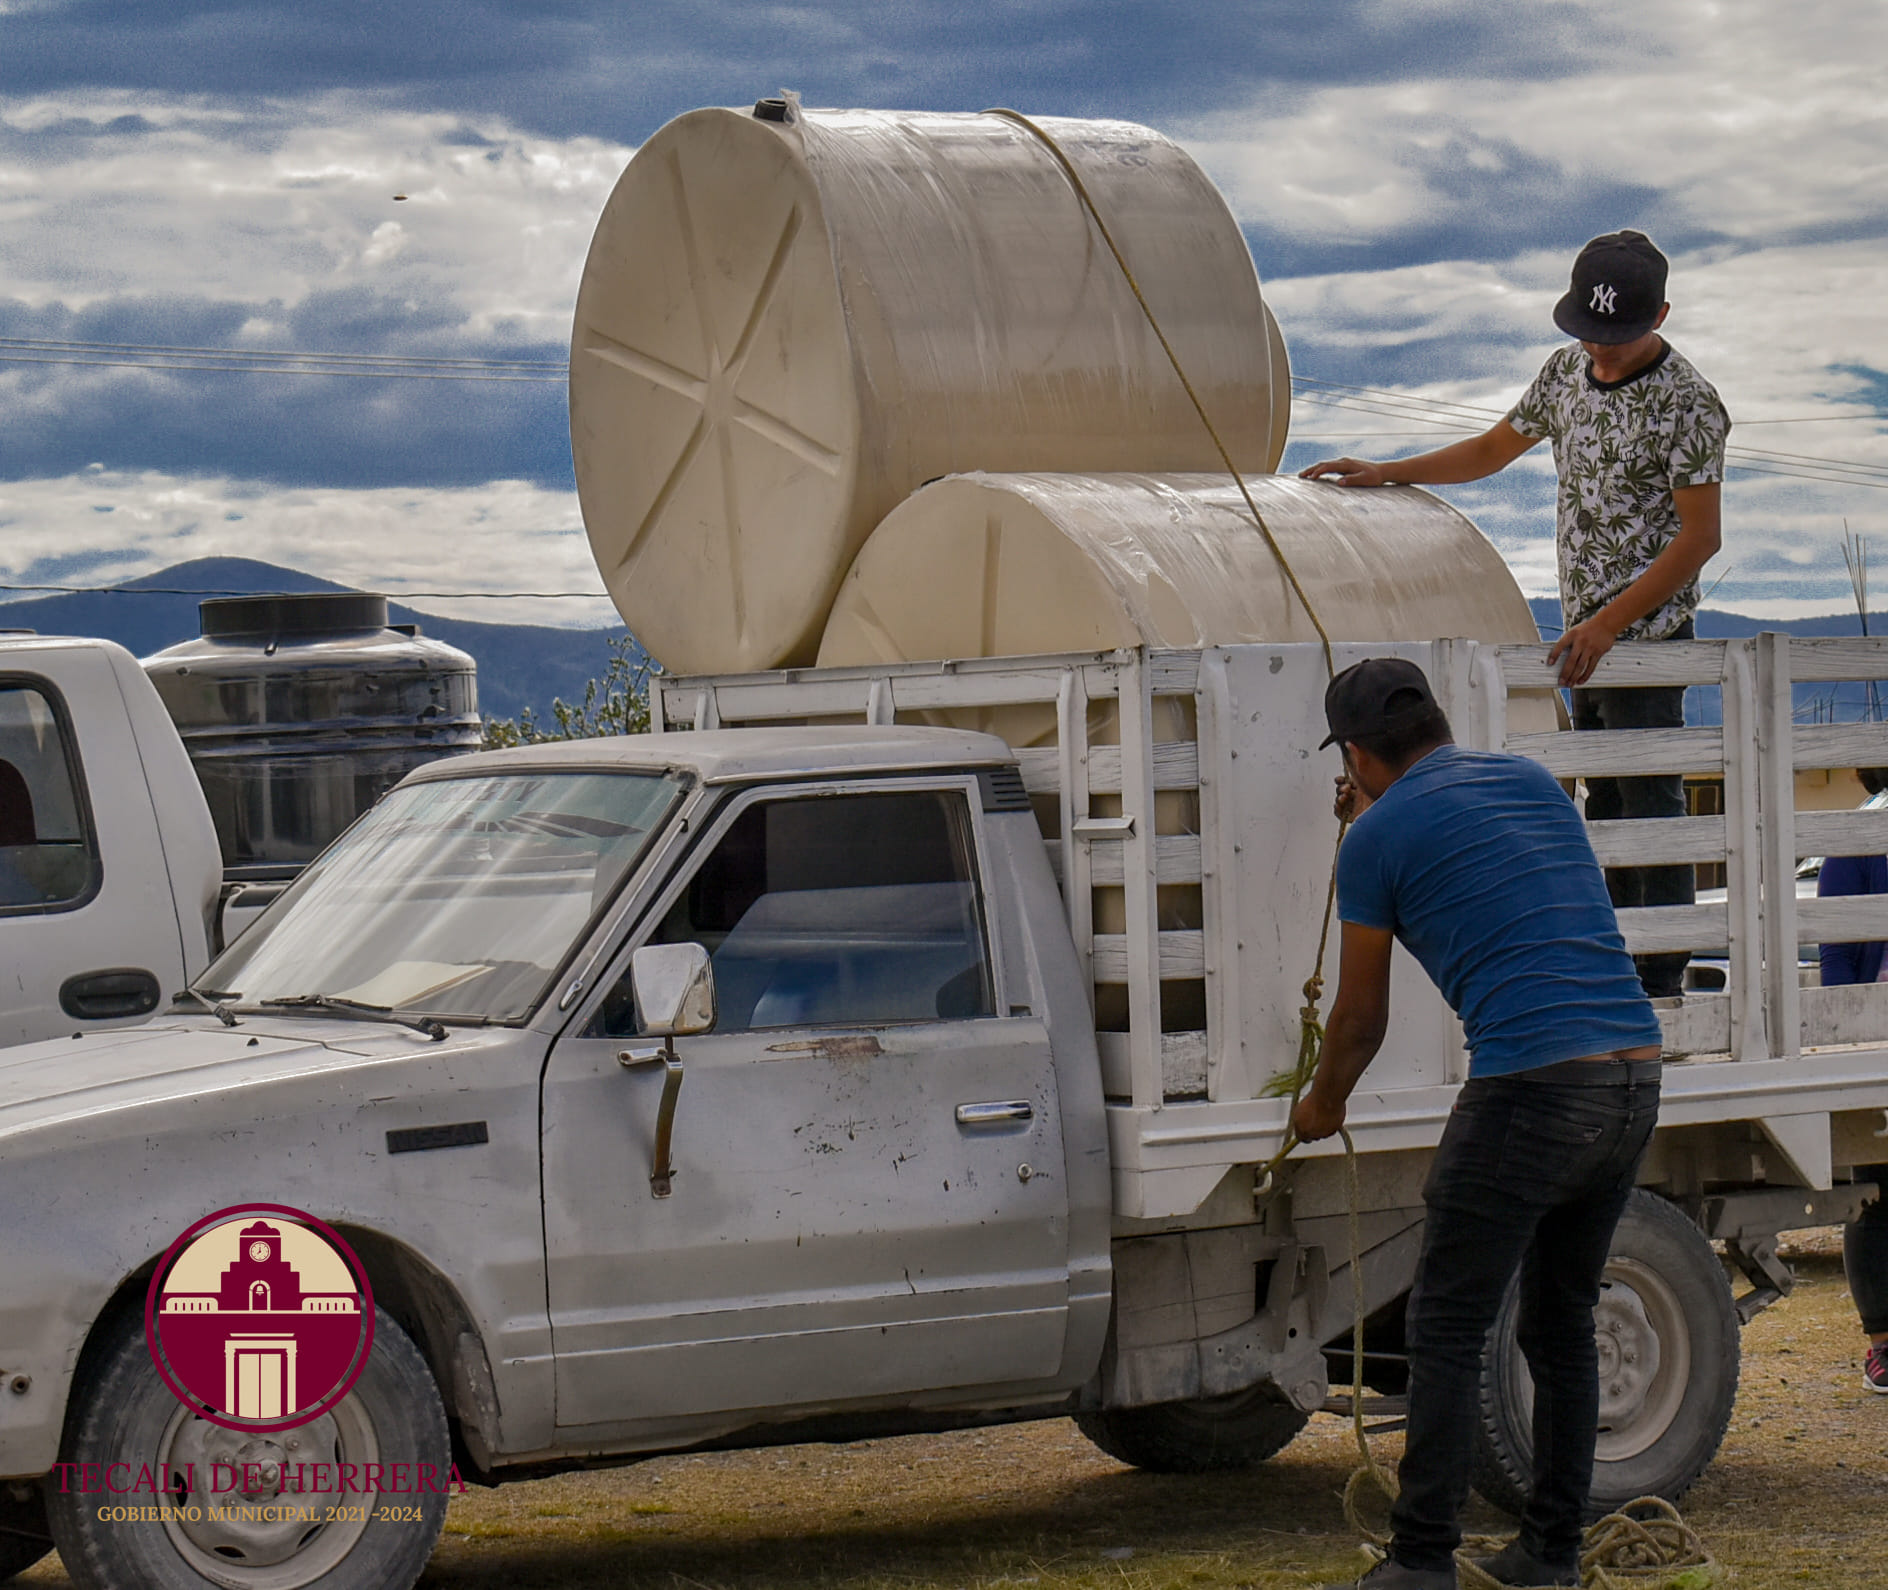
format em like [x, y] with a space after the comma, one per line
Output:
[1373, 697]
[1618, 290]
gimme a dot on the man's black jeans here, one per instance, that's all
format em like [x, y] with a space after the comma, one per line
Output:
[1660, 795]
[1532, 1173]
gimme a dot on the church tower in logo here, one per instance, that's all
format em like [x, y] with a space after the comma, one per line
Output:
[258, 1322]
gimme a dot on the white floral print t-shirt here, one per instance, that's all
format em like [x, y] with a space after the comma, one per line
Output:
[1620, 448]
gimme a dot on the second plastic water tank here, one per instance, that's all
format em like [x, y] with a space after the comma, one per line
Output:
[299, 712]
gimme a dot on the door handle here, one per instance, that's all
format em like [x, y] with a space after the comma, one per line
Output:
[661, 1167]
[997, 1112]
[109, 995]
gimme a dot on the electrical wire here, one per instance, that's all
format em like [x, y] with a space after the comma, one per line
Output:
[58, 346]
[1446, 415]
[392, 595]
[1443, 414]
[281, 369]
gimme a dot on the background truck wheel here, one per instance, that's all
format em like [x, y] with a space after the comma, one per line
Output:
[23, 1538]
[1193, 1437]
[1668, 1339]
[123, 1413]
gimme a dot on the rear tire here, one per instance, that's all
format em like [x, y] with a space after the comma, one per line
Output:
[1668, 1337]
[1197, 1437]
[124, 1413]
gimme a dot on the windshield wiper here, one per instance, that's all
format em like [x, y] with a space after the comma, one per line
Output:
[433, 1029]
[209, 999]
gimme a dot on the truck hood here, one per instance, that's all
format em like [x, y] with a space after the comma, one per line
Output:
[95, 1075]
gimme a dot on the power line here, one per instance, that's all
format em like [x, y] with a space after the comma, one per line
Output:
[1448, 415]
[280, 369]
[1476, 410]
[1380, 402]
[57, 345]
[396, 595]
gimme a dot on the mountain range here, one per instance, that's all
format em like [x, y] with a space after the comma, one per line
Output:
[1715, 624]
[530, 665]
[520, 665]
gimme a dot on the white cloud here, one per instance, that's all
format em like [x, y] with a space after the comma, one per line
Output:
[1763, 130]
[271, 205]
[507, 536]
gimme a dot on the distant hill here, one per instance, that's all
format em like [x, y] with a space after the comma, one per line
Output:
[520, 665]
[1845, 702]
[529, 665]
[1715, 624]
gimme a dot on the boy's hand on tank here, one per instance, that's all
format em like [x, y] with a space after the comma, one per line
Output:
[1346, 472]
[1579, 650]
[1313, 1119]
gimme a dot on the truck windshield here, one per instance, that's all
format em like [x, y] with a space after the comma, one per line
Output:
[452, 898]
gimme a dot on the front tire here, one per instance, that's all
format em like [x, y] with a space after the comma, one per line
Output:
[123, 1413]
[1668, 1339]
[1197, 1437]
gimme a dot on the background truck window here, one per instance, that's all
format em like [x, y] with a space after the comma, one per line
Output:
[841, 910]
[46, 859]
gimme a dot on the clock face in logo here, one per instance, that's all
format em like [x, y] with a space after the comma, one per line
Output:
[259, 1318]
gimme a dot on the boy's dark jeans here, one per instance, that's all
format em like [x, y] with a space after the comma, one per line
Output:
[1660, 795]
[1865, 1254]
[1532, 1173]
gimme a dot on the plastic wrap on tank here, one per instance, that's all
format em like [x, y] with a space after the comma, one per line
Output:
[985, 565]
[785, 326]
[299, 712]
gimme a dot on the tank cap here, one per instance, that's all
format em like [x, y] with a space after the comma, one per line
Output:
[312, 613]
[772, 110]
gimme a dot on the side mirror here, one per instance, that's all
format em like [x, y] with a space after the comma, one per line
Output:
[675, 989]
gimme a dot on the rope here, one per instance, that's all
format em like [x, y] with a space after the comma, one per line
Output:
[1088, 202]
[1620, 1549]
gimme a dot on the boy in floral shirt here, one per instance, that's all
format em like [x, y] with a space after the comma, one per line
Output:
[1638, 438]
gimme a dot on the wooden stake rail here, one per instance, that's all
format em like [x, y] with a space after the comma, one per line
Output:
[1252, 795]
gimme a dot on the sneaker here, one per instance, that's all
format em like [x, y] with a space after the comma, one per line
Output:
[1514, 1564]
[1875, 1367]
[1392, 1575]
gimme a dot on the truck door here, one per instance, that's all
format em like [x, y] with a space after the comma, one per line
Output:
[869, 1195]
[88, 927]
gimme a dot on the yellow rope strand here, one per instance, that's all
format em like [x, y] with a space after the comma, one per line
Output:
[1094, 211]
[1620, 1549]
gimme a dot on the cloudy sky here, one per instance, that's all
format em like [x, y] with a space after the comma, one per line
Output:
[1413, 176]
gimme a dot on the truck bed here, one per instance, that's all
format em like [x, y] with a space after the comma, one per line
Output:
[1187, 814]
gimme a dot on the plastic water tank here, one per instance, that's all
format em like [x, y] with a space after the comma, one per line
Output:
[299, 712]
[1000, 565]
[789, 320]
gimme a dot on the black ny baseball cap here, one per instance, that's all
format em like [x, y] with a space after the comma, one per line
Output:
[1618, 290]
[1373, 697]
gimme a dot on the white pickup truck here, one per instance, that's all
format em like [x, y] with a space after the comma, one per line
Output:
[957, 1117]
[109, 872]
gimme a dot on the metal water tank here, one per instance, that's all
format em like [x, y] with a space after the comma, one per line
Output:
[299, 712]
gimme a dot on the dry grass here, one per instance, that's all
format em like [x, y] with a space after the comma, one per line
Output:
[1791, 1501]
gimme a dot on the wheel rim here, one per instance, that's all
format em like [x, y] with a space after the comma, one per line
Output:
[227, 1538]
[1645, 1359]
[1644, 1350]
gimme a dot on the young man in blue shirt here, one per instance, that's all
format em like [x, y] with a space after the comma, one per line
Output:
[1479, 865]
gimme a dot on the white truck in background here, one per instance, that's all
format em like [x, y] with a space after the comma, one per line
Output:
[110, 878]
[954, 1120]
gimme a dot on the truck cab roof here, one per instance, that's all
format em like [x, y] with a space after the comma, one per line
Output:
[720, 756]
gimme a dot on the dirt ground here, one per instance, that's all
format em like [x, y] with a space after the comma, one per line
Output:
[1791, 1500]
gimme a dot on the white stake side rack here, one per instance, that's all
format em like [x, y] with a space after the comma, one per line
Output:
[1187, 813]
